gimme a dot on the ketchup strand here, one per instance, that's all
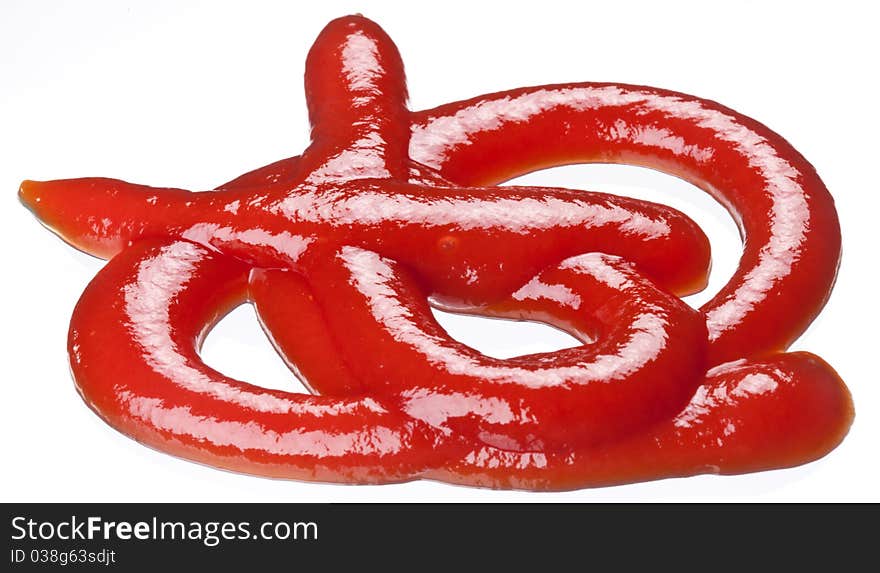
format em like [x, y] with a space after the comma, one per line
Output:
[343, 249]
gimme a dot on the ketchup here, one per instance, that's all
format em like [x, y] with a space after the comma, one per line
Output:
[341, 249]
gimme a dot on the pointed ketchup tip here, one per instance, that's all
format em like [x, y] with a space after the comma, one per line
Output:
[29, 193]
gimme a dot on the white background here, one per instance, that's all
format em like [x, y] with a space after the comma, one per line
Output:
[191, 94]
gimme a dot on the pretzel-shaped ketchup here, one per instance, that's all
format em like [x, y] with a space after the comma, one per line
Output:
[342, 248]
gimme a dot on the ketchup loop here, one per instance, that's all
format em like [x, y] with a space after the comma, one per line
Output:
[340, 250]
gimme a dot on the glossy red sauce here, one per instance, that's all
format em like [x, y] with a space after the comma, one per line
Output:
[342, 248]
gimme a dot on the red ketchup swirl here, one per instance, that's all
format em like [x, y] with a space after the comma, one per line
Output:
[342, 248]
